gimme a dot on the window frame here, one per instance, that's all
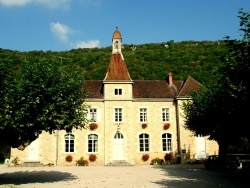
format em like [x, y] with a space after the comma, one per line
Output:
[118, 115]
[165, 114]
[93, 115]
[69, 143]
[144, 142]
[92, 143]
[166, 141]
[118, 91]
[143, 116]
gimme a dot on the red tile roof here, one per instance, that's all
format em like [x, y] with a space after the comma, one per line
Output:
[117, 69]
[190, 85]
[149, 88]
[94, 88]
[117, 72]
[153, 89]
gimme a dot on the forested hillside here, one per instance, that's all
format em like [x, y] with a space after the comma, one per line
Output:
[199, 59]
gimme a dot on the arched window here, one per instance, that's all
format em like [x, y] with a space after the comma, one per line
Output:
[92, 143]
[116, 44]
[166, 142]
[144, 142]
[69, 142]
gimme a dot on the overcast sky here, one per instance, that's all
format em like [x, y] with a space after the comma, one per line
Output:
[61, 25]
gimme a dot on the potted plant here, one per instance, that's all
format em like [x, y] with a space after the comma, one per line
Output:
[92, 157]
[157, 161]
[145, 157]
[144, 125]
[168, 157]
[82, 162]
[15, 161]
[69, 158]
[166, 126]
[93, 126]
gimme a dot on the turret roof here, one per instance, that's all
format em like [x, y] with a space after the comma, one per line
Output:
[117, 34]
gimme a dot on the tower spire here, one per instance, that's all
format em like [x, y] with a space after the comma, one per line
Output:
[117, 42]
[117, 69]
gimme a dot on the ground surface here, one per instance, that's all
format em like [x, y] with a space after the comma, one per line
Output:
[167, 176]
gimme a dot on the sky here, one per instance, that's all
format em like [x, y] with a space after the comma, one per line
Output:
[62, 25]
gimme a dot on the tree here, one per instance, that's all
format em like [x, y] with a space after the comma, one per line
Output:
[219, 110]
[40, 96]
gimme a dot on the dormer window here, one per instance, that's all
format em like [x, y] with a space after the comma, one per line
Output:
[118, 91]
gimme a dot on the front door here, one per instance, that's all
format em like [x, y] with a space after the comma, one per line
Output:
[34, 150]
[201, 147]
[118, 152]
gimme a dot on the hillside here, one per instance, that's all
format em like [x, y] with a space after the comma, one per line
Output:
[199, 59]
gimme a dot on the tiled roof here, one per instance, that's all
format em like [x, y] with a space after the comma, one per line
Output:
[190, 85]
[149, 88]
[117, 69]
[94, 88]
[117, 72]
[153, 89]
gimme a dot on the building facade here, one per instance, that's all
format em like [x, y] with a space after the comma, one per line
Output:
[127, 119]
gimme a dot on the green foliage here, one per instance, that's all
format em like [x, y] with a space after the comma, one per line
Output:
[4, 153]
[219, 109]
[40, 96]
[157, 161]
[152, 61]
[15, 161]
[82, 162]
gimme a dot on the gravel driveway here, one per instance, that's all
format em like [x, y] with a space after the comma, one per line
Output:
[172, 176]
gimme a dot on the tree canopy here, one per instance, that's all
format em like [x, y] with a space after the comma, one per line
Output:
[152, 61]
[39, 95]
[219, 109]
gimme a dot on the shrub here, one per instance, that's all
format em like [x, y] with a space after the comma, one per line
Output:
[145, 157]
[92, 157]
[168, 156]
[69, 158]
[82, 162]
[15, 161]
[157, 161]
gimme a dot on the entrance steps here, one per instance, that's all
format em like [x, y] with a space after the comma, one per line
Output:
[31, 164]
[119, 163]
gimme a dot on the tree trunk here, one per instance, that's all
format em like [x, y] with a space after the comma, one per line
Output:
[223, 146]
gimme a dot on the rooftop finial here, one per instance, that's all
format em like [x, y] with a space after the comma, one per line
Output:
[116, 28]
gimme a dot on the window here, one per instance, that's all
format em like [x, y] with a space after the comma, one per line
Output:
[93, 115]
[92, 143]
[166, 142]
[118, 115]
[118, 91]
[143, 115]
[144, 142]
[69, 143]
[165, 114]
[116, 44]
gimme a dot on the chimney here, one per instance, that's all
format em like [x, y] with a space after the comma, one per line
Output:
[169, 78]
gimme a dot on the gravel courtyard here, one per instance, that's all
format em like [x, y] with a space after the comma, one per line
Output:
[180, 176]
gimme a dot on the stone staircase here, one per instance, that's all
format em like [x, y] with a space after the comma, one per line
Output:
[119, 163]
[31, 164]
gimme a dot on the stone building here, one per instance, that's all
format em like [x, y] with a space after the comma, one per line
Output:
[128, 118]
